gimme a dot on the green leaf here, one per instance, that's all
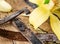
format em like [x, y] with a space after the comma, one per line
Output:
[46, 1]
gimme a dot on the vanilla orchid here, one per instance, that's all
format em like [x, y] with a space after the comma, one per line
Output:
[39, 15]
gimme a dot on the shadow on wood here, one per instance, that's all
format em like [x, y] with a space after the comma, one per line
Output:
[12, 35]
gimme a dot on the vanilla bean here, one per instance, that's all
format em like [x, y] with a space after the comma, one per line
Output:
[27, 12]
[47, 37]
[31, 4]
[8, 18]
[27, 33]
[2, 21]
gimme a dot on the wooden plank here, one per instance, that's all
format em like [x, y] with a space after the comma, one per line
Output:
[21, 42]
[5, 41]
[12, 35]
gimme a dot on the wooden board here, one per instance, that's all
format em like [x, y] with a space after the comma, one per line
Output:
[7, 41]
